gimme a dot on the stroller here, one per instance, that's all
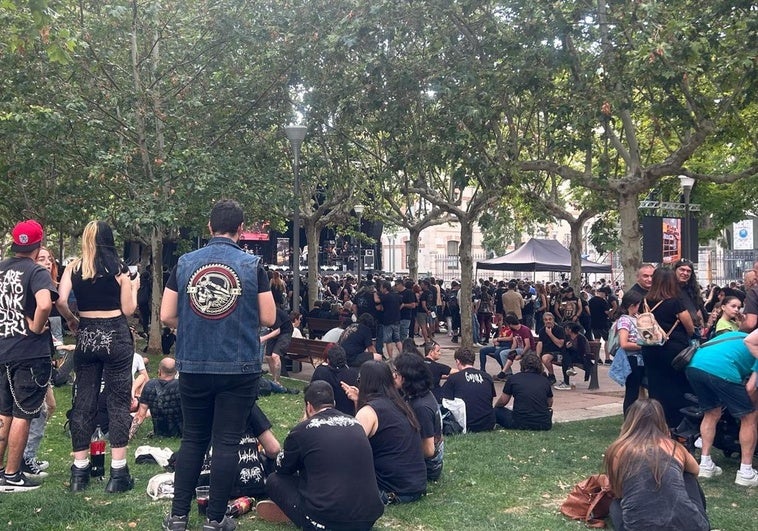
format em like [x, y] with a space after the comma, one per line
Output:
[727, 437]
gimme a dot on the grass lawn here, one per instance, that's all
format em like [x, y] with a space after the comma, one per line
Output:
[499, 480]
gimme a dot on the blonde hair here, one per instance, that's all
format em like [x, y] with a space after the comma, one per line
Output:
[99, 257]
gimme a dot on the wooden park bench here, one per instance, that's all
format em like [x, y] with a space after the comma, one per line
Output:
[318, 327]
[308, 350]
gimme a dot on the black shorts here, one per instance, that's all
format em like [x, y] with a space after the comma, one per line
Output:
[23, 386]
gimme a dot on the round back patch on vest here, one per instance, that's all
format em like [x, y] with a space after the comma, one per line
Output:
[214, 290]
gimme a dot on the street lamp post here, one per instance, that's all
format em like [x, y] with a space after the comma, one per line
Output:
[359, 212]
[296, 135]
[687, 184]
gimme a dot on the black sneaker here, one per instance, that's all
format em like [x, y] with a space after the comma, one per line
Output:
[551, 378]
[174, 523]
[30, 468]
[18, 483]
[227, 524]
[500, 376]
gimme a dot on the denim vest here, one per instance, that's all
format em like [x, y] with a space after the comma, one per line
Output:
[218, 313]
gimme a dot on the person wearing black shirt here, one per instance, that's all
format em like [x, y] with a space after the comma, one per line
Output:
[312, 488]
[408, 303]
[550, 344]
[388, 301]
[393, 431]
[415, 381]
[577, 351]
[532, 398]
[476, 388]
[334, 372]
[599, 310]
[277, 342]
[438, 370]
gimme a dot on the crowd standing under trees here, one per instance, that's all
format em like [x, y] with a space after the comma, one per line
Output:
[151, 123]
[392, 397]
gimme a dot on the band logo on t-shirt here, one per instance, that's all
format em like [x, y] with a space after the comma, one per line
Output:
[12, 319]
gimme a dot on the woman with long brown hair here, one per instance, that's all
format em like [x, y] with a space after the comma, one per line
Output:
[653, 478]
[665, 384]
[106, 296]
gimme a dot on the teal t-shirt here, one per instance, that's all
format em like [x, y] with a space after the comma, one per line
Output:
[725, 356]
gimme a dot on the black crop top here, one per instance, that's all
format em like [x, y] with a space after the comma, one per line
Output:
[100, 294]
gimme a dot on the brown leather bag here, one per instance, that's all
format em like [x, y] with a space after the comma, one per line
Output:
[590, 501]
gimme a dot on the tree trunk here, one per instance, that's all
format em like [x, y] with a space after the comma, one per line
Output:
[413, 238]
[467, 275]
[156, 247]
[575, 250]
[311, 232]
[631, 251]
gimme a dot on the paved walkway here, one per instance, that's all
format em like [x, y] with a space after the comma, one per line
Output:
[577, 404]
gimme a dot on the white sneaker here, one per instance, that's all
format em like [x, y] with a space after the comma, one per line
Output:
[562, 387]
[571, 372]
[709, 472]
[750, 480]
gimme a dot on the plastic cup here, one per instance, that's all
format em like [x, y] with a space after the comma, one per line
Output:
[202, 494]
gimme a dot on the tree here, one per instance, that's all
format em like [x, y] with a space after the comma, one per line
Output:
[637, 93]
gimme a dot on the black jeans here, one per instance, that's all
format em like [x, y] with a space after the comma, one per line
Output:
[214, 406]
[104, 352]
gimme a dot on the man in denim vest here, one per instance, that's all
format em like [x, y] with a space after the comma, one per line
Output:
[217, 297]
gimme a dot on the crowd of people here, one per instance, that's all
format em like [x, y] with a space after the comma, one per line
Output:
[377, 401]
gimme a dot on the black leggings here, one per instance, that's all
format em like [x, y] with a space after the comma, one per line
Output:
[104, 353]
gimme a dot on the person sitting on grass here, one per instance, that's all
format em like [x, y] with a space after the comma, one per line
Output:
[653, 477]
[335, 371]
[161, 397]
[311, 488]
[476, 388]
[532, 398]
[393, 431]
[415, 382]
[438, 370]
[577, 351]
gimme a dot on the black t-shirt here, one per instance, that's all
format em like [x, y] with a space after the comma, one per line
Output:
[162, 397]
[20, 280]
[477, 390]
[355, 339]
[364, 300]
[599, 319]
[390, 307]
[398, 457]
[530, 393]
[407, 297]
[334, 377]
[333, 457]
[282, 322]
[548, 347]
[428, 414]
[438, 370]
[428, 297]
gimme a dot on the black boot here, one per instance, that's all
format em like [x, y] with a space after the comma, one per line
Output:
[79, 478]
[120, 480]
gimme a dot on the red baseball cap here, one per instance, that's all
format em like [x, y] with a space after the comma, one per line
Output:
[27, 236]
